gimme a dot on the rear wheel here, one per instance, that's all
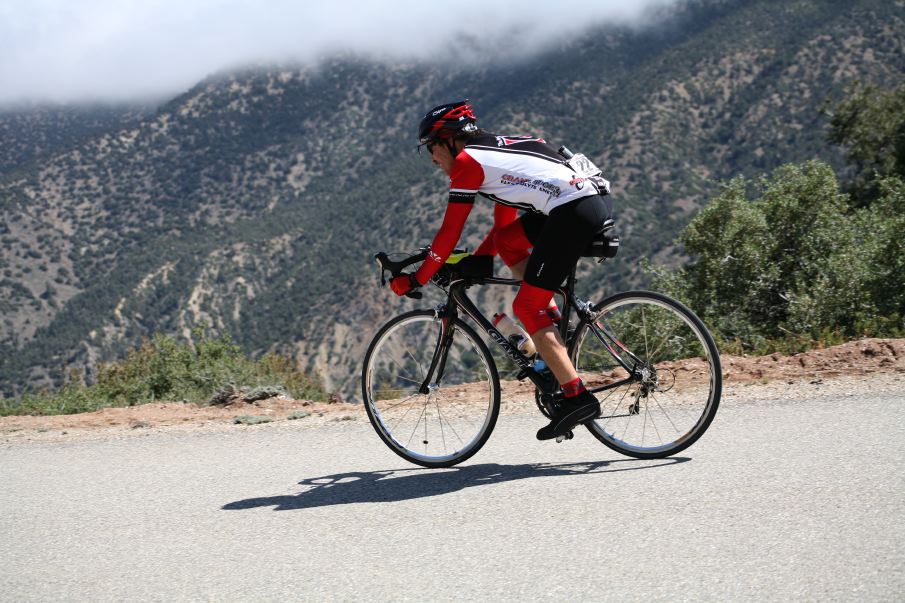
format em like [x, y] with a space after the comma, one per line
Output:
[672, 390]
[451, 420]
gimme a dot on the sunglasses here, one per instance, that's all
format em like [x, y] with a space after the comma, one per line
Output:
[427, 145]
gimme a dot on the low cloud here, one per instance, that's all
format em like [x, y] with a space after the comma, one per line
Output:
[108, 50]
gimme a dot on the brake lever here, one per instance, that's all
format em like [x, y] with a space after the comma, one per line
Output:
[395, 268]
[383, 271]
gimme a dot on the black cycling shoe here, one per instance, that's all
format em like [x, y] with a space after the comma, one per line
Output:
[572, 411]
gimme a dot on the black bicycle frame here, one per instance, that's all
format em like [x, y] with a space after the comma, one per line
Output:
[459, 299]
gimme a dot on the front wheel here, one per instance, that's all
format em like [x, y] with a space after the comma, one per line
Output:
[453, 418]
[670, 392]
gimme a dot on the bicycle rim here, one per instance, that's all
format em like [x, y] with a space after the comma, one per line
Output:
[455, 417]
[678, 380]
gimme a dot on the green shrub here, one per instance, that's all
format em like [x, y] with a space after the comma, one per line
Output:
[165, 369]
[786, 263]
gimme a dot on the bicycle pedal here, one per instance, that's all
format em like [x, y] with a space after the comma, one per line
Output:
[566, 436]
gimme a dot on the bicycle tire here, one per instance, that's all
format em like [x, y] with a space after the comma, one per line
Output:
[682, 376]
[468, 394]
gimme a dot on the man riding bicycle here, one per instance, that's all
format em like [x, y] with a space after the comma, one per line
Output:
[563, 212]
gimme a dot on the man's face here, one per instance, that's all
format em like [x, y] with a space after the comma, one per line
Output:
[441, 156]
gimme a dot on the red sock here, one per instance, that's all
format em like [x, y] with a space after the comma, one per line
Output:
[573, 388]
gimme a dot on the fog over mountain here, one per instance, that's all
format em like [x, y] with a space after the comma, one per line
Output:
[52, 50]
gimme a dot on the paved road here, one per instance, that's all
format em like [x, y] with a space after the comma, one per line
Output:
[779, 500]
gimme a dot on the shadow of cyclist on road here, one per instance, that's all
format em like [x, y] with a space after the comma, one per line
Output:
[406, 484]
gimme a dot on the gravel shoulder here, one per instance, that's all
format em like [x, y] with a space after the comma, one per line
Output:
[857, 368]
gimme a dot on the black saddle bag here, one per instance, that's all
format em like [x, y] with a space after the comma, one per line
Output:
[605, 243]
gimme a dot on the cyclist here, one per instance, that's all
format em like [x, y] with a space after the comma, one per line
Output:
[563, 213]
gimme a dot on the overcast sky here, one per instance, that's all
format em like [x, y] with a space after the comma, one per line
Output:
[75, 50]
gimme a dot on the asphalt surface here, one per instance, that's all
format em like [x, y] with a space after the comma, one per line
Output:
[779, 500]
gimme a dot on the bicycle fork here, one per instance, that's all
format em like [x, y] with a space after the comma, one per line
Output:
[441, 351]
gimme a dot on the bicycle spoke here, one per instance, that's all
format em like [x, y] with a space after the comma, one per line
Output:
[651, 359]
[402, 368]
[417, 423]
[440, 420]
[629, 420]
[406, 351]
[409, 380]
[416, 361]
[401, 402]
[609, 393]
[402, 418]
[425, 440]
[644, 330]
[456, 433]
[644, 427]
[621, 400]
[652, 422]
[665, 414]
[466, 420]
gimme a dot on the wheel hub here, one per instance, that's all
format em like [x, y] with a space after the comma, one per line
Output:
[649, 380]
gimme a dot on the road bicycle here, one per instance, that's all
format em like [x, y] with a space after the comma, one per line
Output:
[432, 390]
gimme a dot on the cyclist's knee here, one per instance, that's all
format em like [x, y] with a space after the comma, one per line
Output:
[530, 307]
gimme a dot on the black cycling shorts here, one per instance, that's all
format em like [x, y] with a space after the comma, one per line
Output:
[560, 238]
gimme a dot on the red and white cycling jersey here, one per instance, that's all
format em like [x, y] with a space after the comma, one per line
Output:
[517, 172]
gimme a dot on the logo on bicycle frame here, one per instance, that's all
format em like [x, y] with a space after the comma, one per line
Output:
[510, 349]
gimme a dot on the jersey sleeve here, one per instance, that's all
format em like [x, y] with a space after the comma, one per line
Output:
[445, 241]
[465, 179]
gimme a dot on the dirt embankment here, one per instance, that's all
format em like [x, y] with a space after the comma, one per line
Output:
[860, 357]
[157, 414]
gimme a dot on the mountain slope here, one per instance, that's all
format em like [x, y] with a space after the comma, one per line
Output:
[29, 133]
[256, 200]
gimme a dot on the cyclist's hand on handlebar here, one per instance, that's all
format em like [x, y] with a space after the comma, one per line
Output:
[404, 284]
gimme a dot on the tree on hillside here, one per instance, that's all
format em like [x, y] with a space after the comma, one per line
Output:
[776, 256]
[870, 121]
[882, 227]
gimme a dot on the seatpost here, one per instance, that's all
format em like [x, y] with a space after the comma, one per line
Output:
[568, 294]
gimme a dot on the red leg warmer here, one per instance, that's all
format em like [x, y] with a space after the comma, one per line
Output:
[530, 306]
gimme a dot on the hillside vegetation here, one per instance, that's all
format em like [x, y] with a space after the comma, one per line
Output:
[29, 133]
[255, 201]
[799, 257]
[204, 370]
